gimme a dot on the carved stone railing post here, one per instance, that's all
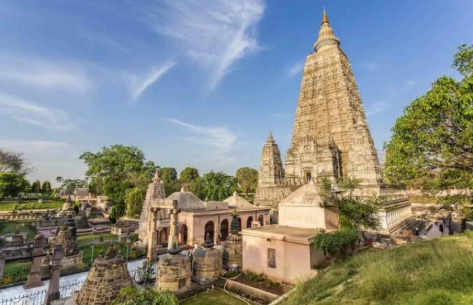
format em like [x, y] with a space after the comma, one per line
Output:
[34, 277]
[53, 289]
[152, 253]
[2, 263]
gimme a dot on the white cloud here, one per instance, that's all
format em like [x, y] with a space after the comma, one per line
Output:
[30, 113]
[34, 147]
[26, 71]
[385, 104]
[296, 68]
[213, 33]
[218, 137]
[139, 86]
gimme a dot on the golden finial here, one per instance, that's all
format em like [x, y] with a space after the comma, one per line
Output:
[324, 17]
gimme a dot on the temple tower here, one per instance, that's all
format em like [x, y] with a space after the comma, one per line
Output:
[330, 135]
[270, 176]
[271, 172]
[155, 191]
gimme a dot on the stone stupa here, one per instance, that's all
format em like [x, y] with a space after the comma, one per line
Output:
[207, 263]
[106, 278]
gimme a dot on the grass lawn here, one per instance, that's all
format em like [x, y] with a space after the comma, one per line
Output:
[23, 226]
[85, 245]
[13, 266]
[214, 297]
[439, 271]
[31, 205]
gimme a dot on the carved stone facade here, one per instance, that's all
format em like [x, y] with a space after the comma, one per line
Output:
[155, 191]
[331, 138]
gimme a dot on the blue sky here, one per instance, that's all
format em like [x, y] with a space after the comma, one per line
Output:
[201, 83]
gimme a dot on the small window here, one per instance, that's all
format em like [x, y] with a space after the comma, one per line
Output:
[271, 258]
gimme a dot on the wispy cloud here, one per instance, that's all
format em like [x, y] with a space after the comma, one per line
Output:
[138, 86]
[296, 68]
[33, 147]
[27, 71]
[31, 113]
[213, 33]
[385, 104]
[218, 137]
[377, 107]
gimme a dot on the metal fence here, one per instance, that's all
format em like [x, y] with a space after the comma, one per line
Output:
[66, 290]
[38, 297]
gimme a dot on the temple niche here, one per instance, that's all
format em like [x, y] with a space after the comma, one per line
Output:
[330, 138]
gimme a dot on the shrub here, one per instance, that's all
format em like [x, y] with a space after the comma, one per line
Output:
[337, 243]
[132, 296]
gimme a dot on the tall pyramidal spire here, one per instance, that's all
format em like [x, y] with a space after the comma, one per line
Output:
[326, 35]
[271, 170]
[330, 136]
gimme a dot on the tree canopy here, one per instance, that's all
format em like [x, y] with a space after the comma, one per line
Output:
[432, 142]
[248, 179]
[36, 187]
[120, 168]
[14, 162]
[11, 185]
[134, 202]
[214, 186]
[188, 175]
[46, 188]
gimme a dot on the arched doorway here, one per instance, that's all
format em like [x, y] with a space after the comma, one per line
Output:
[261, 220]
[162, 236]
[224, 230]
[239, 222]
[209, 230]
[249, 221]
[184, 234]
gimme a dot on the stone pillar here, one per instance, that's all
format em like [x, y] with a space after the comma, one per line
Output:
[34, 277]
[2, 263]
[173, 242]
[152, 254]
[53, 289]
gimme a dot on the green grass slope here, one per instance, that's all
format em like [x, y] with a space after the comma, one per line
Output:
[438, 271]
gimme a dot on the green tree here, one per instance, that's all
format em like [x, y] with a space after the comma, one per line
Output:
[248, 179]
[46, 188]
[11, 185]
[168, 174]
[134, 202]
[188, 175]
[169, 177]
[36, 187]
[432, 142]
[355, 213]
[115, 165]
[14, 162]
[214, 186]
[133, 296]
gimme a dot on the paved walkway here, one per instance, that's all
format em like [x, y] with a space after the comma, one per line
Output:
[15, 291]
